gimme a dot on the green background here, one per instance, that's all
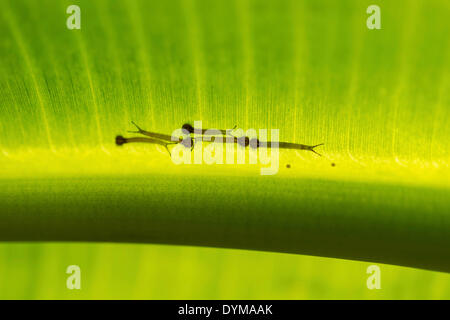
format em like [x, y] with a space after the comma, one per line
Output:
[378, 99]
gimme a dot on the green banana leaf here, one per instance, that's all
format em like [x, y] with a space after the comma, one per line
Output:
[378, 99]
